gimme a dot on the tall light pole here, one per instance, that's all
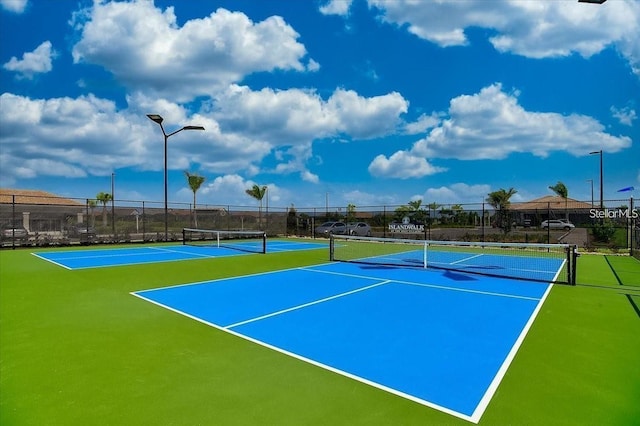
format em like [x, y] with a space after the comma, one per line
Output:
[601, 187]
[158, 119]
[113, 207]
[591, 180]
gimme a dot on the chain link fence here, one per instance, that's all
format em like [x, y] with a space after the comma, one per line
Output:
[45, 221]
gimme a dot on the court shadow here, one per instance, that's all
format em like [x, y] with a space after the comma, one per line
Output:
[458, 277]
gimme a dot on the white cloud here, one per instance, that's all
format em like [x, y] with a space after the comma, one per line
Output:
[78, 136]
[245, 127]
[526, 28]
[457, 193]
[402, 165]
[37, 62]
[15, 6]
[290, 120]
[231, 188]
[365, 118]
[422, 124]
[313, 66]
[492, 125]
[625, 115]
[336, 7]
[147, 51]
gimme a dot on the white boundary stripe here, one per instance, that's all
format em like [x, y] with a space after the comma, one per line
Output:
[149, 253]
[436, 286]
[538, 271]
[485, 400]
[316, 363]
[304, 305]
[51, 261]
[182, 252]
[464, 260]
[493, 387]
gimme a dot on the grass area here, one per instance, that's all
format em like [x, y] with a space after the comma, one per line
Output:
[77, 348]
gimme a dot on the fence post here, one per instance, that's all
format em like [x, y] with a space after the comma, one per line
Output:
[483, 219]
[631, 220]
[13, 221]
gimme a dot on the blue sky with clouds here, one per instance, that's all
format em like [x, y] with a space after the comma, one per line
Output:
[364, 102]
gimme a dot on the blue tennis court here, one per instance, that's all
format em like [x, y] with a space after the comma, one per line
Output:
[100, 258]
[440, 338]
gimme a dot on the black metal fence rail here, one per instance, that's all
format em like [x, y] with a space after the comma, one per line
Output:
[43, 221]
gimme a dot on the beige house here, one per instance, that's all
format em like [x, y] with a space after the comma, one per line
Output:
[551, 207]
[39, 211]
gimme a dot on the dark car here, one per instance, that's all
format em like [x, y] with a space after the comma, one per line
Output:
[85, 234]
[16, 233]
[328, 228]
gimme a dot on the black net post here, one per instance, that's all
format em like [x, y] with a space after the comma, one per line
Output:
[572, 264]
[332, 243]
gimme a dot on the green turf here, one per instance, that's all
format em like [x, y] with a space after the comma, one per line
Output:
[77, 348]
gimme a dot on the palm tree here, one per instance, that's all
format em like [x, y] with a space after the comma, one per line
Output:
[351, 213]
[258, 192]
[457, 213]
[195, 181]
[499, 200]
[104, 198]
[92, 205]
[561, 190]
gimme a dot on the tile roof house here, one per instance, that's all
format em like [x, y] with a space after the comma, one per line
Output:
[551, 207]
[39, 211]
[552, 202]
[28, 196]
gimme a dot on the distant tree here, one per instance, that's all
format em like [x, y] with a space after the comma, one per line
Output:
[292, 219]
[258, 192]
[458, 215]
[433, 206]
[413, 210]
[415, 205]
[92, 205]
[104, 198]
[499, 200]
[351, 213]
[195, 181]
[561, 190]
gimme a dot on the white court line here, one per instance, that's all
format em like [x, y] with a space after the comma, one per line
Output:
[304, 305]
[182, 252]
[493, 387]
[464, 260]
[442, 287]
[51, 261]
[472, 266]
[317, 363]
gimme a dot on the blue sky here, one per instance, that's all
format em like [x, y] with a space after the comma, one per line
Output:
[364, 102]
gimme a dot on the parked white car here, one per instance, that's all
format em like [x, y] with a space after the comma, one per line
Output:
[360, 229]
[557, 224]
[328, 228]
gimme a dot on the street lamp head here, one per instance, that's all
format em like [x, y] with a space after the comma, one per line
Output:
[155, 117]
[595, 152]
[193, 127]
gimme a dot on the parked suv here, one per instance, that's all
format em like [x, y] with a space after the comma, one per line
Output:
[82, 232]
[361, 229]
[17, 232]
[328, 228]
[557, 224]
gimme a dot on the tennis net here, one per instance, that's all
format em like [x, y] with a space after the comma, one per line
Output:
[535, 262]
[249, 241]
